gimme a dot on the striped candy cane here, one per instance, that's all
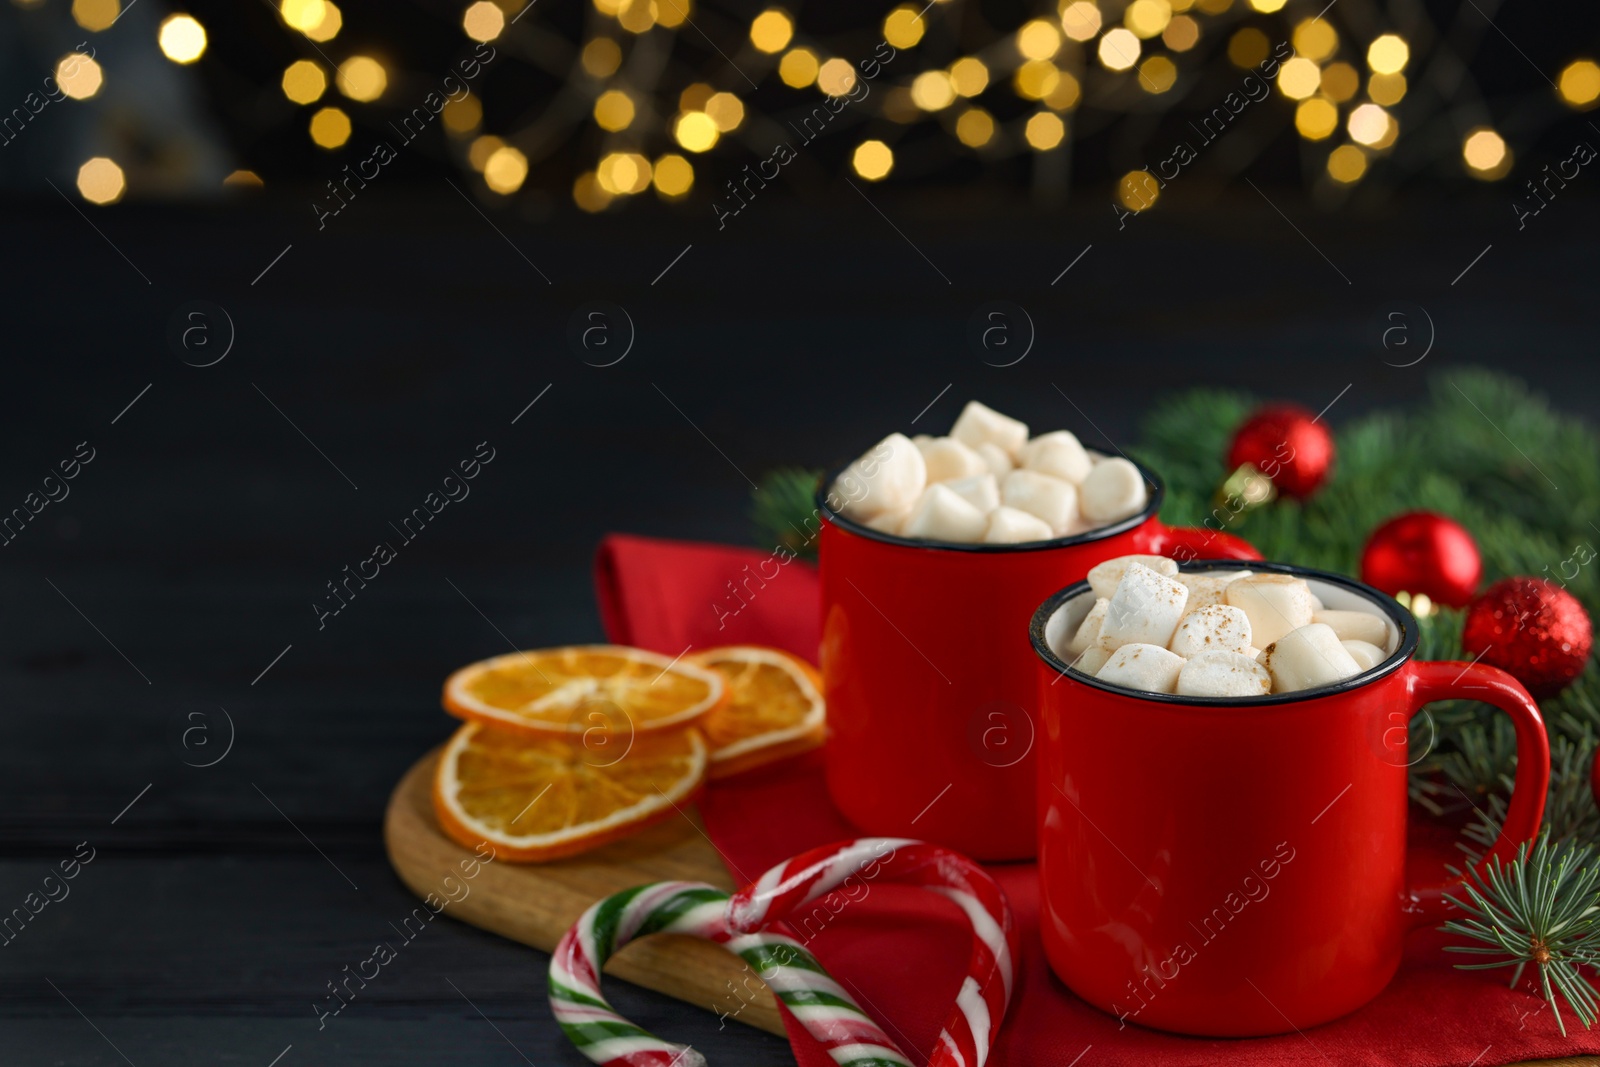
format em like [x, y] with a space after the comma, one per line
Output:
[751, 925]
[970, 1029]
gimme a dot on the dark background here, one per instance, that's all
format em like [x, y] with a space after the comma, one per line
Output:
[375, 354]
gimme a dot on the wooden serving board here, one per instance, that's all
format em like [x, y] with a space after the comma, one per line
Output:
[536, 903]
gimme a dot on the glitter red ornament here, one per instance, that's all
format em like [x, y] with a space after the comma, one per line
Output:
[1531, 628]
[1286, 443]
[1423, 552]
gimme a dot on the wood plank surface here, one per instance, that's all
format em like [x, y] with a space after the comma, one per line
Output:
[536, 903]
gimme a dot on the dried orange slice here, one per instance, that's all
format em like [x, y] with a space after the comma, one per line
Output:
[774, 708]
[580, 687]
[541, 796]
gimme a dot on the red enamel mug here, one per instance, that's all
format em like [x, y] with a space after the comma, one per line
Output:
[929, 679]
[1232, 868]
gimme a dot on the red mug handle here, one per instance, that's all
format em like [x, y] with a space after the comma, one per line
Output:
[1475, 681]
[1195, 542]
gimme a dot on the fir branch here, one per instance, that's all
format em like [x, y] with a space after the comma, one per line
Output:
[782, 511]
[1540, 908]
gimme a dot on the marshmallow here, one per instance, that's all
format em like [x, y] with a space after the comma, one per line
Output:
[1208, 587]
[1103, 577]
[977, 424]
[1059, 455]
[1051, 499]
[1113, 490]
[888, 478]
[889, 522]
[980, 490]
[1356, 626]
[1223, 674]
[997, 458]
[1090, 660]
[1219, 628]
[1145, 609]
[1366, 654]
[1009, 526]
[1276, 604]
[1140, 666]
[1308, 656]
[1088, 630]
[941, 514]
[949, 459]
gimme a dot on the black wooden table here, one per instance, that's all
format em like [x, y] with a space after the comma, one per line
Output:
[171, 609]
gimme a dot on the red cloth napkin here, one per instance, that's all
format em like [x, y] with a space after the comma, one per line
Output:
[903, 952]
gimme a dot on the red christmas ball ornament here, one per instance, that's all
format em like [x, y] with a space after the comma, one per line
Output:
[1286, 443]
[1423, 552]
[1532, 629]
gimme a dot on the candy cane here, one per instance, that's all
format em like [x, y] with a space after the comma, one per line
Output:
[822, 1005]
[970, 1030]
[750, 924]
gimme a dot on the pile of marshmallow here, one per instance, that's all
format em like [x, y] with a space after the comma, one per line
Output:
[1217, 634]
[988, 482]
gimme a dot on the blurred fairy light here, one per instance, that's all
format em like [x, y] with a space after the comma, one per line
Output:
[1315, 39]
[505, 170]
[247, 179]
[1137, 190]
[303, 15]
[1181, 34]
[1579, 84]
[304, 82]
[726, 110]
[588, 195]
[798, 68]
[903, 27]
[975, 127]
[483, 21]
[328, 28]
[696, 131]
[1157, 74]
[1080, 20]
[481, 149]
[1267, 7]
[182, 38]
[1340, 81]
[1298, 78]
[613, 110]
[330, 127]
[771, 30]
[100, 181]
[1119, 49]
[1388, 54]
[1044, 131]
[1386, 89]
[873, 160]
[1316, 119]
[1346, 164]
[1247, 48]
[1485, 154]
[969, 76]
[673, 176]
[96, 15]
[1040, 40]
[601, 57]
[79, 76]
[1369, 125]
[362, 79]
[1147, 18]
[932, 91]
[836, 77]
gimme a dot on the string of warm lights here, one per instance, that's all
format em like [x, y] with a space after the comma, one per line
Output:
[1109, 56]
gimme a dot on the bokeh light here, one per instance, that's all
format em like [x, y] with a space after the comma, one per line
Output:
[1137, 190]
[96, 15]
[975, 127]
[1298, 78]
[1066, 94]
[1044, 131]
[1080, 20]
[1485, 154]
[726, 110]
[182, 38]
[673, 176]
[79, 76]
[836, 77]
[1247, 47]
[1315, 39]
[904, 26]
[588, 195]
[463, 115]
[623, 173]
[1579, 83]
[931, 90]
[100, 181]
[1368, 124]
[613, 110]
[1346, 164]
[873, 160]
[695, 131]
[303, 15]
[304, 82]
[671, 13]
[1157, 74]
[483, 21]
[1119, 49]
[798, 68]
[1038, 39]
[1340, 81]
[1316, 119]
[1147, 18]
[1035, 79]
[362, 78]
[1267, 7]
[328, 28]
[481, 149]
[968, 76]
[771, 31]
[505, 170]
[1181, 34]
[1388, 54]
[1386, 89]
[330, 127]
[601, 57]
